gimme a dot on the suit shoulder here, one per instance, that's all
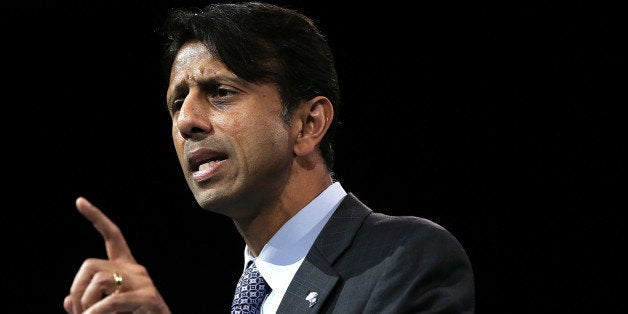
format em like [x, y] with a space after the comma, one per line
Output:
[379, 219]
[409, 230]
[375, 229]
[404, 223]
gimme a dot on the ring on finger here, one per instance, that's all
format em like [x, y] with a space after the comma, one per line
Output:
[117, 282]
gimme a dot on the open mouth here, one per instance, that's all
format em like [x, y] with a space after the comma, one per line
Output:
[200, 163]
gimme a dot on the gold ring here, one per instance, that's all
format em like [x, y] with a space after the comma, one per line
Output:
[117, 282]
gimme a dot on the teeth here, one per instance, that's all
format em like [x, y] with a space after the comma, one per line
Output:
[206, 165]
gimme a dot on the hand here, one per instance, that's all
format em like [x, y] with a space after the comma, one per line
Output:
[94, 289]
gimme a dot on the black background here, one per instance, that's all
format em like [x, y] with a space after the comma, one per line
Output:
[503, 122]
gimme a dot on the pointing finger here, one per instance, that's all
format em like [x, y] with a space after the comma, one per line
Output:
[117, 248]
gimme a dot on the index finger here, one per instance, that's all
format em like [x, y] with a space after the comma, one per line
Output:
[117, 248]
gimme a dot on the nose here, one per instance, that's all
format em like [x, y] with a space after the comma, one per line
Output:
[193, 119]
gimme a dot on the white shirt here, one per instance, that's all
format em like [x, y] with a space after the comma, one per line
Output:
[283, 254]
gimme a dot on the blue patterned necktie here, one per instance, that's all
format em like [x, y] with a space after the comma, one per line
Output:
[250, 292]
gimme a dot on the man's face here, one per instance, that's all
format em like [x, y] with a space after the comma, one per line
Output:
[233, 145]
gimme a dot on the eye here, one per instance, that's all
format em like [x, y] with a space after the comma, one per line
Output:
[176, 105]
[223, 92]
[222, 96]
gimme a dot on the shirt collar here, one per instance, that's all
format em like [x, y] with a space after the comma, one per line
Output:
[282, 255]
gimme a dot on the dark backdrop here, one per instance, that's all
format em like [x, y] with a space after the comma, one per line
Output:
[502, 122]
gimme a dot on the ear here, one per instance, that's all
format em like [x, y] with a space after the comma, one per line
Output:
[314, 118]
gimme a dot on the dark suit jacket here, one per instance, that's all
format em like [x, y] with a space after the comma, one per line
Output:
[367, 262]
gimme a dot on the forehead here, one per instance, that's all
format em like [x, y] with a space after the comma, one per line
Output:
[193, 61]
[193, 50]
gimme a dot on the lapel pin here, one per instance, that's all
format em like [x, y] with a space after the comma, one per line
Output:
[312, 298]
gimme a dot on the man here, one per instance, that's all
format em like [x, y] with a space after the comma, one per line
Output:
[253, 95]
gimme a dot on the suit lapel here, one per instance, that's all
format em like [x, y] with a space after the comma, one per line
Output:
[316, 277]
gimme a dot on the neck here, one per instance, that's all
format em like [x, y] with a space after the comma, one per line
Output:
[301, 190]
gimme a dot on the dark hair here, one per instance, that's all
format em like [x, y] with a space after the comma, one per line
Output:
[263, 43]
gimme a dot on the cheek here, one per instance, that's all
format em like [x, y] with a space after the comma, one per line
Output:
[177, 141]
[256, 133]
[279, 135]
[240, 126]
[269, 137]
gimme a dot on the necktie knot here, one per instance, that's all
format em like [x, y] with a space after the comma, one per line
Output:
[250, 292]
